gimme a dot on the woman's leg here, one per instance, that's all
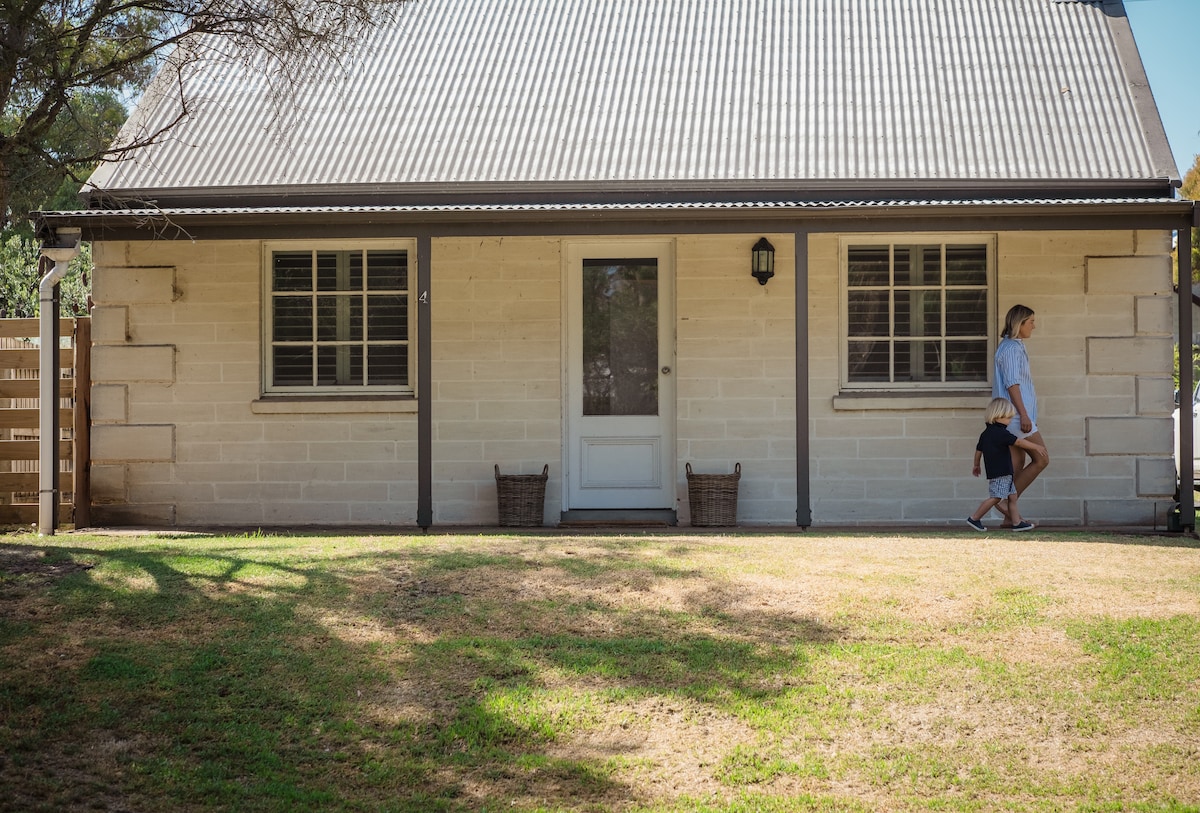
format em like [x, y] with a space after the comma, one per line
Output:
[1029, 470]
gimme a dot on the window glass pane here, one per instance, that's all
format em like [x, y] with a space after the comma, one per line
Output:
[867, 313]
[902, 361]
[931, 265]
[966, 360]
[354, 270]
[927, 313]
[918, 361]
[966, 265]
[918, 313]
[620, 337]
[352, 361]
[291, 271]
[867, 265]
[966, 313]
[931, 360]
[388, 364]
[902, 266]
[868, 360]
[387, 270]
[327, 268]
[327, 365]
[327, 319]
[387, 318]
[291, 319]
[291, 366]
[339, 365]
[339, 319]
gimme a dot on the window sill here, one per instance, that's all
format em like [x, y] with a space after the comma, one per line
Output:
[893, 400]
[326, 405]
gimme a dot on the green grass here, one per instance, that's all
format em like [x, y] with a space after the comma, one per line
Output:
[635, 673]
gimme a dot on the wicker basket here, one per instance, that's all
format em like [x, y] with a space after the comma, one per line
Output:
[713, 497]
[521, 497]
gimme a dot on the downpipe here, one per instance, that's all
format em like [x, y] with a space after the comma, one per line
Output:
[61, 249]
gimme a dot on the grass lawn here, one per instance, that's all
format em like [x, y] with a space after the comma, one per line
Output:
[658, 672]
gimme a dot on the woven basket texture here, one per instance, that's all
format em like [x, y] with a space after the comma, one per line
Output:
[521, 497]
[713, 497]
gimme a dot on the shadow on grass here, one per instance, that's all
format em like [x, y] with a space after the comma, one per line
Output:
[220, 676]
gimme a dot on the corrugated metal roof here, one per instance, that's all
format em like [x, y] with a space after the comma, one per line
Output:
[680, 91]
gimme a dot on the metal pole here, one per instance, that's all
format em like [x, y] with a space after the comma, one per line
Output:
[803, 457]
[1187, 497]
[424, 386]
[60, 250]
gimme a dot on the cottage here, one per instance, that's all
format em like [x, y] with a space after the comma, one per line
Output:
[521, 233]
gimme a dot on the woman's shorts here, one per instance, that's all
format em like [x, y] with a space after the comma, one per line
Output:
[1014, 426]
[1001, 487]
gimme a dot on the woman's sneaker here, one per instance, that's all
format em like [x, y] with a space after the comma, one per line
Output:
[1024, 525]
[976, 524]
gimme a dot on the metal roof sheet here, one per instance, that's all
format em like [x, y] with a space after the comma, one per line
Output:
[677, 92]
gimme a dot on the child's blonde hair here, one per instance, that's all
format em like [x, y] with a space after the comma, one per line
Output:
[999, 409]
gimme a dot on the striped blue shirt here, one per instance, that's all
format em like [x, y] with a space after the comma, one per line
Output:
[1012, 367]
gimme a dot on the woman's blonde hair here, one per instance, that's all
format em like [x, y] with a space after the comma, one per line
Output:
[998, 410]
[1012, 322]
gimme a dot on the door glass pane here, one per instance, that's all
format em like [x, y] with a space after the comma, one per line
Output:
[620, 337]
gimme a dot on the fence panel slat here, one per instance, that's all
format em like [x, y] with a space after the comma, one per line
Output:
[18, 481]
[28, 388]
[28, 514]
[28, 418]
[28, 450]
[29, 358]
[30, 328]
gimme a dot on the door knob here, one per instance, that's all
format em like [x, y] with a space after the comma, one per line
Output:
[666, 370]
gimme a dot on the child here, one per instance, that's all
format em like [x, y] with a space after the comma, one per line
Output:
[993, 450]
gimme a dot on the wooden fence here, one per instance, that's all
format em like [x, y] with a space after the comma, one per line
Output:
[19, 419]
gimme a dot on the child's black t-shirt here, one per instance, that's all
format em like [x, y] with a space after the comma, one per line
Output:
[994, 443]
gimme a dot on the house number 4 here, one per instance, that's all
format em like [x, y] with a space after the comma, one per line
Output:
[424, 298]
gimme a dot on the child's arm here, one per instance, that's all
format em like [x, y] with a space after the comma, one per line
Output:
[975, 466]
[1035, 449]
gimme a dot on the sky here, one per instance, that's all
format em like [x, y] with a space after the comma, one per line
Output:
[1165, 30]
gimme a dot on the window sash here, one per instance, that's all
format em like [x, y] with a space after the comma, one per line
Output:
[337, 318]
[916, 314]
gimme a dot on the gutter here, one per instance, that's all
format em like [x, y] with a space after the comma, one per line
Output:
[61, 248]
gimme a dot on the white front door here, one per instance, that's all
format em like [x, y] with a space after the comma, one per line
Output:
[619, 444]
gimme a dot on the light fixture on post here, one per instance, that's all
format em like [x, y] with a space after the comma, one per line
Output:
[762, 261]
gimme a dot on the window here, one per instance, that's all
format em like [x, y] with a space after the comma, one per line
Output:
[337, 320]
[916, 314]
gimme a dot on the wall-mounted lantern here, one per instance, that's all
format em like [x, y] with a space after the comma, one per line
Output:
[762, 261]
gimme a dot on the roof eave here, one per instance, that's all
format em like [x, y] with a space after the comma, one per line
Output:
[602, 192]
[270, 223]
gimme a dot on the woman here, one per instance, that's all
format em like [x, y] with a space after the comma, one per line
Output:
[1014, 382]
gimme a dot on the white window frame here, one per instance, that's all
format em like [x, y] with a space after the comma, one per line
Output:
[912, 239]
[268, 296]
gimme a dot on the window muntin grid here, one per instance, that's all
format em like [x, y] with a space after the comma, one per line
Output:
[338, 320]
[917, 315]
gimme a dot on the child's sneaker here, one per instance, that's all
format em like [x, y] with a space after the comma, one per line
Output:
[1024, 525]
[977, 524]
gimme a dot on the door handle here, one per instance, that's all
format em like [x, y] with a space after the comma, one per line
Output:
[666, 370]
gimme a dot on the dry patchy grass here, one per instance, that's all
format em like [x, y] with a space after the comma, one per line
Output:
[529, 672]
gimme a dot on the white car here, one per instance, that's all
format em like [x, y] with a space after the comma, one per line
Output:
[1195, 433]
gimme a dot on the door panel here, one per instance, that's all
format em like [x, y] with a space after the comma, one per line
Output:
[620, 392]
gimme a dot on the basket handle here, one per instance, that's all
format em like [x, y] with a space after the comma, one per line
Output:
[688, 466]
[737, 468]
[546, 470]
